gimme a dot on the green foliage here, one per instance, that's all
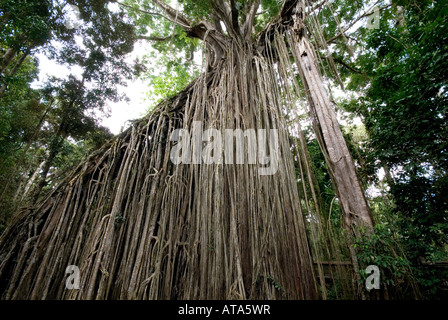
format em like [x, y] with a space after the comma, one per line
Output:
[324, 184]
[29, 22]
[72, 152]
[45, 132]
[399, 75]
[19, 111]
[170, 65]
[196, 10]
[399, 72]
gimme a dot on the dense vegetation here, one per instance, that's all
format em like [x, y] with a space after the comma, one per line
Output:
[395, 106]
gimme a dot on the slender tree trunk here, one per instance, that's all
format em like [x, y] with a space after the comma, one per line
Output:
[31, 181]
[14, 69]
[25, 151]
[142, 227]
[401, 21]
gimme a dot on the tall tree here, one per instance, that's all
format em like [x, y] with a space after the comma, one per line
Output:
[26, 26]
[404, 108]
[69, 107]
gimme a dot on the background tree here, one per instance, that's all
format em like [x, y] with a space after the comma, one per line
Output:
[400, 81]
[64, 108]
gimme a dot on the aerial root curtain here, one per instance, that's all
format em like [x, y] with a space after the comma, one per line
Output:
[140, 227]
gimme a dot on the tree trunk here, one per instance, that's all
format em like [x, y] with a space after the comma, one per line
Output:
[19, 62]
[357, 217]
[31, 181]
[25, 151]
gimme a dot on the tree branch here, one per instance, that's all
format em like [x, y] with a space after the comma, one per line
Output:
[317, 6]
[218, 26]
